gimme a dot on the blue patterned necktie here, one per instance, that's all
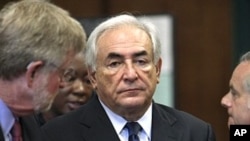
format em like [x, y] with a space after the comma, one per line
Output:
[133, 129]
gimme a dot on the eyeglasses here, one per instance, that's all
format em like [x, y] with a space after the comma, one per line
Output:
[67, 76]
[70, 75]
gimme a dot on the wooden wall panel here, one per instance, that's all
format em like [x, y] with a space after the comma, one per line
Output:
[202, 49]
[86, 8]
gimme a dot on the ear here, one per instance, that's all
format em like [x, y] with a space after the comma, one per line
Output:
[92, 78]
[158, 69]
[31, 72]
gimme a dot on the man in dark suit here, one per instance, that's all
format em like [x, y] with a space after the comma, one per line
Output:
[124, 65]
[237, 100]
[37, 42]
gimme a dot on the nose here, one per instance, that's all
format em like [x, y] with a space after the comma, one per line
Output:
[78, 88]
[130, 73]
[225, 101]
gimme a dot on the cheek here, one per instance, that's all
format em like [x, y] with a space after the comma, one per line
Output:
[88, 90]
[248, 102]
[240, 108]
[106, 77]
[103, 82]
[66, 90]
[150, 76]
[107, 83]
[53, 83]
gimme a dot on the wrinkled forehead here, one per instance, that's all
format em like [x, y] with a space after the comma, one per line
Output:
[123, 34]
[242, 70]
[241, 75]
[127, 27]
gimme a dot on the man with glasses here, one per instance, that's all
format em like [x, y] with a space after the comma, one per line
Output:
[77, 91]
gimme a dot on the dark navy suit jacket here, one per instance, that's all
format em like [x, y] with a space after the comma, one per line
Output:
[91, 123]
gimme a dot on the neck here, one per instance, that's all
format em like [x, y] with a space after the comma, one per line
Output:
[133, 115]
[14, 94]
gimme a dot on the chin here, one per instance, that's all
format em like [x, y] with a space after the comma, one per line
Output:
[133, 104]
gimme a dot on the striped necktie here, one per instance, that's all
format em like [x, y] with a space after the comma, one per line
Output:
[133, 130]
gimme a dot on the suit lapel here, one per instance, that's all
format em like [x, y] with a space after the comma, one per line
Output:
[1, 135]
[163, 125]
[96, 125]
[30, 129]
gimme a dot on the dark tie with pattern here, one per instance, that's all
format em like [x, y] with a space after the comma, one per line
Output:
[16, 131]
[133, 129]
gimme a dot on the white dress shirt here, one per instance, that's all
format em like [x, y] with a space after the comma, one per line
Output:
[119, 123]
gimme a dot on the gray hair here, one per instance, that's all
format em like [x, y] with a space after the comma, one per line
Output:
[112, 23]
[32, 30]
[246, 82]
[245, 57]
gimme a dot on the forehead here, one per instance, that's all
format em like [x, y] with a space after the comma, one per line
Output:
[77, 63]
[124, 36]
[241, 72]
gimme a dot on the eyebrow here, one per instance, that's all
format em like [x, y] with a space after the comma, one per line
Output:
[141, 53]
[113, 55]
[233, 89]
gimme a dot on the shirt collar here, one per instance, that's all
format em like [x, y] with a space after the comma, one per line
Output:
[7, 119]
[119, 122]
[146, 121]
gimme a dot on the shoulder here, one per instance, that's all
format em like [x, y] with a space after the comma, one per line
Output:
[68, 119]
[174, 113]
[178, 117]
[73, 124]
[63, 127]
[73, 117]
[31, 128]
[183, 124]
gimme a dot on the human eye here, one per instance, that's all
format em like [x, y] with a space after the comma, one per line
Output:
[69, 75]
[141, 62]
[234, 93]
[114, 64]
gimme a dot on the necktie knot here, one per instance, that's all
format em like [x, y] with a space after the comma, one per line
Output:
[133, 130]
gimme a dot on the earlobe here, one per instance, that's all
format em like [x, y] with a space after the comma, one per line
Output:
[31, 72]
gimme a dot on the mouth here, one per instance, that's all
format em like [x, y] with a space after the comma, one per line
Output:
[132, 91]
[75, 105]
